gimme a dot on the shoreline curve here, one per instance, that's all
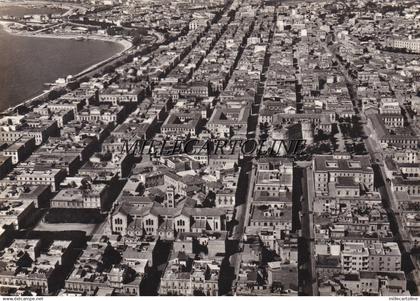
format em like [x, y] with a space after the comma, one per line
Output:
[126, 44]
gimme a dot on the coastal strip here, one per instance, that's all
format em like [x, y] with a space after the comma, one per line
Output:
[59, 5]
[5, 25]
[127, 47]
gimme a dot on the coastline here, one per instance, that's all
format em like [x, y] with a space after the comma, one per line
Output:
[126, 45]
[119, 40]
[25, 3]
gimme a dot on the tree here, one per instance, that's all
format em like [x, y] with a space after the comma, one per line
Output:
[53, 94]
[320, 136]
[110, 257]
[108, 69]
[210, 200]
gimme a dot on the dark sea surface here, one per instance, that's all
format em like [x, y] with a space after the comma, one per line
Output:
[26, 63]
